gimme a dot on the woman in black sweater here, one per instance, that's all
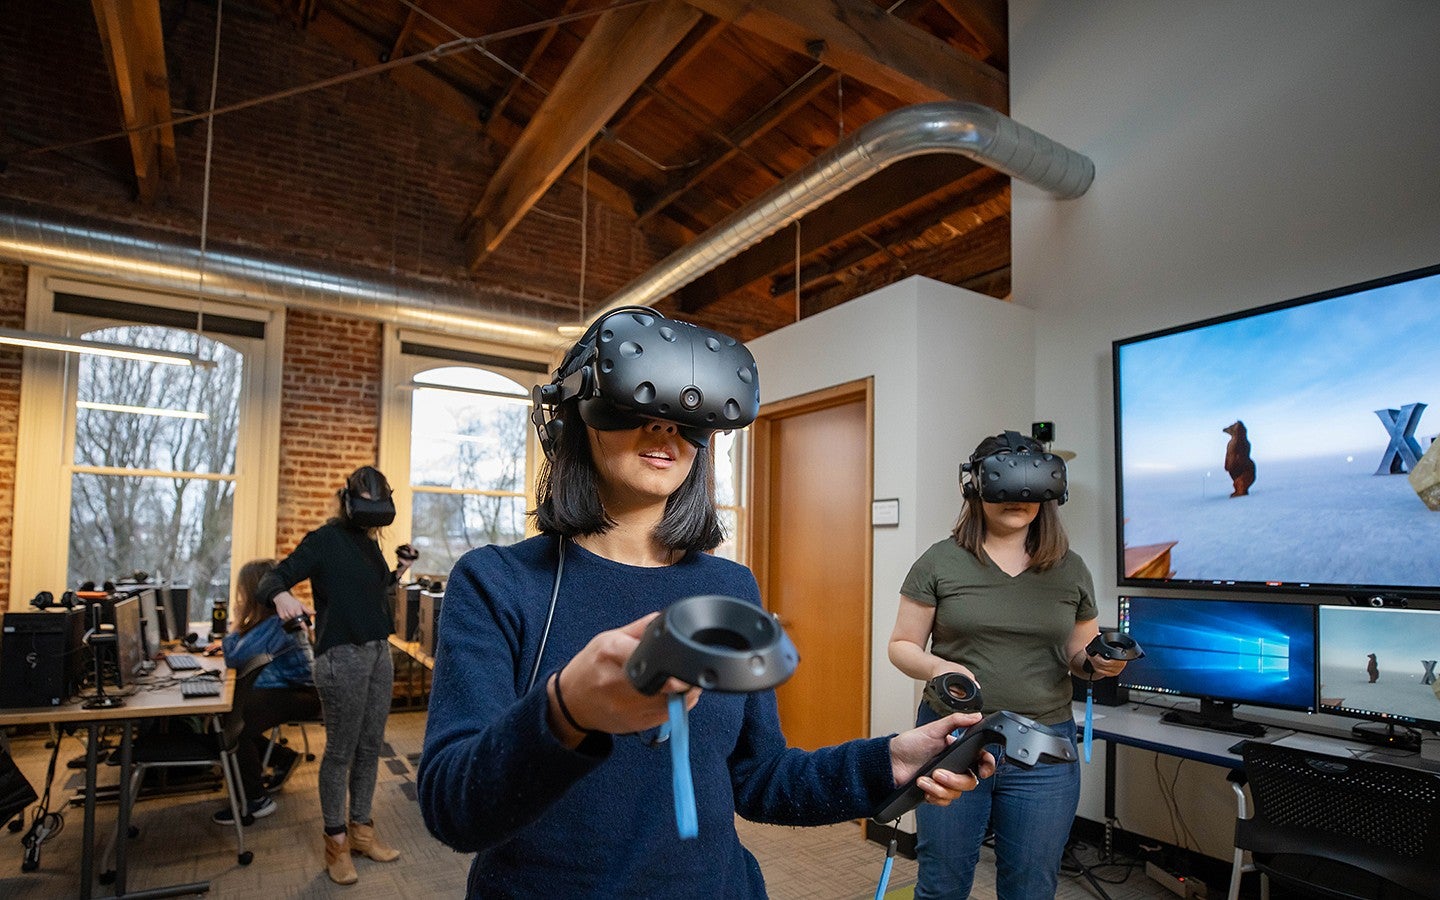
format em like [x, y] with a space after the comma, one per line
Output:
[352, 585]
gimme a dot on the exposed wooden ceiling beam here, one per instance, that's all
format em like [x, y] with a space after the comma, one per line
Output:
[624, 47]
[542, 43]
[866, 43]
[879, 196]
[970, 211]
[987, 20]
[134, 46]
[736, 141]
[397, 49]
[362, 50]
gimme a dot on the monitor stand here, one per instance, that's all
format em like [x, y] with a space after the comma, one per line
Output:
[1214, 715]
[1385, 735]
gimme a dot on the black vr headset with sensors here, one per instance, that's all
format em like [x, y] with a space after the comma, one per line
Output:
[1019, 472]
[375, 511]
[633, 364]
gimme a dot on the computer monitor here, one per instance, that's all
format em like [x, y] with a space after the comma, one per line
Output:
[175, 599]
[130, 655]
[1381, 664]
[1224, 652]
[150, 627]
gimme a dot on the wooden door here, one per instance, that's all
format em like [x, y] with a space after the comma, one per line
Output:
[812, 551]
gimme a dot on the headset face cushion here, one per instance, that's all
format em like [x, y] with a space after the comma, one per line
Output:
[602, 415]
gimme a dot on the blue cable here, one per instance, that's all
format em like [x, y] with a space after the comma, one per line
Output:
[686, 821]
[1089, 717]
[885, 872]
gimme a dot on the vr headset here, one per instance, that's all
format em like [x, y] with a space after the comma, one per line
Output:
[634, 365]
[376, 511]
[1019, 472]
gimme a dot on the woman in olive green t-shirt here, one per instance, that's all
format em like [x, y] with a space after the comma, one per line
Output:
[1004, 601]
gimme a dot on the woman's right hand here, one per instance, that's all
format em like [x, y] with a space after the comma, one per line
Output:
[944, 665]
[600, 696]
[287, 607]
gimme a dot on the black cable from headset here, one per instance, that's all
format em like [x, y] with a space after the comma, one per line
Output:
[550, 616]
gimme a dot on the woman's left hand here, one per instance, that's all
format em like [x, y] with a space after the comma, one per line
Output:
[909, 750]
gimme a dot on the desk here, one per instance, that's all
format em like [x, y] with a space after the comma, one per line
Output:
[1137, 725]
[143, 704]
[421, 664]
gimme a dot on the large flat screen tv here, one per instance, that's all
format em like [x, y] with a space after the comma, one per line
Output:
[1271, 449]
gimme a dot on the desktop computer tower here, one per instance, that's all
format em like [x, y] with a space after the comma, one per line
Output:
[430, 603]
[407, 611]
[41, 663]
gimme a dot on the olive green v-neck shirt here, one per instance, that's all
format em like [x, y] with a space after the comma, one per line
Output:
[1010, 631]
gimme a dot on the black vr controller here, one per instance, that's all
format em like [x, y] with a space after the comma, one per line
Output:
[952, 692]
[1112, 645]
[295, 623]
[1020, 472]
[634, 364]
[1026, 743]
[714, 642]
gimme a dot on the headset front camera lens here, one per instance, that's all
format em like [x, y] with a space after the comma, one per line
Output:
[690, 398]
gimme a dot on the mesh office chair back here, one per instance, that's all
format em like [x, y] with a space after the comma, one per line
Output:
[1338, 827]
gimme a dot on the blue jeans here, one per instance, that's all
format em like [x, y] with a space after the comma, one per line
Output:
[1030, 811]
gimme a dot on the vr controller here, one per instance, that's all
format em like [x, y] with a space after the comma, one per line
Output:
[295, 623]
[714, 642]
[1112, 645]
[952, 692]
[634, 364]
[1026, 743]
[406, 553]
[1021, 472]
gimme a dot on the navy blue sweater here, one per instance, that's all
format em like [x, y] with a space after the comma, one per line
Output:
[545, 820]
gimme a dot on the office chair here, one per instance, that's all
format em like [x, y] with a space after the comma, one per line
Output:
[1334, 827]
[216, 745]
[277, 738]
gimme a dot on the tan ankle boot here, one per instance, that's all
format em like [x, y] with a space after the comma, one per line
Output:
[338, 864]
[364, 842]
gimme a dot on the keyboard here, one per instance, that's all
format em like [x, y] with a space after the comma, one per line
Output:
[182, 662]
[200, 687]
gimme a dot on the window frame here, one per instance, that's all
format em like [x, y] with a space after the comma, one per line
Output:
[46, 441]
[398, 370]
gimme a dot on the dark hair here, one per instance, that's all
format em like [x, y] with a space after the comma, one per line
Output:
[568, 495]
[1045, 542]
[248, 611]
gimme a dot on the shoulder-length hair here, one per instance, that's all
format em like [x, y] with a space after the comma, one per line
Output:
[250, 612]
[1046, 542]
[568, 495]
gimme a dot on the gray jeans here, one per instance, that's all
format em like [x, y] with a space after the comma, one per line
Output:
[354, 682]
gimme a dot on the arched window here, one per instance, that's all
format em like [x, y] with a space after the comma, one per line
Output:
[457, 444]
[469, 443]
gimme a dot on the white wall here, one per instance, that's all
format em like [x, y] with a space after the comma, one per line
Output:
[1245, 153]
[949, 367]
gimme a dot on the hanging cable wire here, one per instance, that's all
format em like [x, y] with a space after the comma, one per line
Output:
[205, 190]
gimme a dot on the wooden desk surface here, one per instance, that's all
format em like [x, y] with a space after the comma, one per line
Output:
[413, 650]
[148, 700]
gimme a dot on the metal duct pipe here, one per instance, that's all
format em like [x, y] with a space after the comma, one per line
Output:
[152, 258]
[969, 129]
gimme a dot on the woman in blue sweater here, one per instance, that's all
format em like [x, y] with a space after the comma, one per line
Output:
[541, 757]
[283, 692]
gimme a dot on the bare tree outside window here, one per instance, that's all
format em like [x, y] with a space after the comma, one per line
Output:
[153, 474]
[467, 464]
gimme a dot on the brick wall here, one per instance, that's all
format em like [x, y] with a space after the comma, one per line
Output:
[329, 417]
[12, 315]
